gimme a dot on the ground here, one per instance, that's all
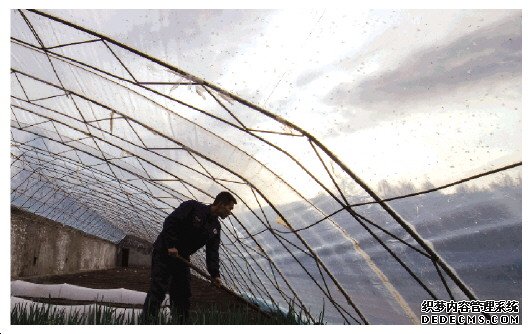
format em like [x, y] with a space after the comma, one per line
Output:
[137, 278]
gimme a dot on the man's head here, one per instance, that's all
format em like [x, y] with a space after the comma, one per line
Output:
[223, 204]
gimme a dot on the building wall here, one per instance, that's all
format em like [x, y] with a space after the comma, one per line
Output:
[139, 259]
[40, 246]
[138, 250]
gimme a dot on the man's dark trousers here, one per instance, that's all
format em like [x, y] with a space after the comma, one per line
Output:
[168, 274]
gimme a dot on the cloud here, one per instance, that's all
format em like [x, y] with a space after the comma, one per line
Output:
[308, 77]
[207, 42]
[489, 53]
[202, 42]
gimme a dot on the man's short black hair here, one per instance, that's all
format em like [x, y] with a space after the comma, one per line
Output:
[224, 197]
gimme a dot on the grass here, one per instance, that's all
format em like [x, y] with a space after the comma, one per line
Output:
[48, 314]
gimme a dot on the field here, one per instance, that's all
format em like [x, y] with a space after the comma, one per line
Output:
[209, 305]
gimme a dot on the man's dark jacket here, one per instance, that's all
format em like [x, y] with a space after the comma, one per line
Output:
[190, 227]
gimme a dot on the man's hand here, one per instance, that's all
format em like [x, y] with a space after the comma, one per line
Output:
[217, 281]
[173, 252]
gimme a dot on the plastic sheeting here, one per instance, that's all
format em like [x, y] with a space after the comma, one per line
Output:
[73, 292]
[109, 139]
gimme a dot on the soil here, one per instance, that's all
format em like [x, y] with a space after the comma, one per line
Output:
[204, 294]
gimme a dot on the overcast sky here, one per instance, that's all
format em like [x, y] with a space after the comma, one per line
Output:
[399, 95]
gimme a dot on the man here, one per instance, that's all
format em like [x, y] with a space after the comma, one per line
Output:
[191, 226]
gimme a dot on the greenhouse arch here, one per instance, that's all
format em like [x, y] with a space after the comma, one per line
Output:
[109, 140]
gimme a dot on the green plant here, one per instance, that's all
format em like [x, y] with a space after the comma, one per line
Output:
[48, 314]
